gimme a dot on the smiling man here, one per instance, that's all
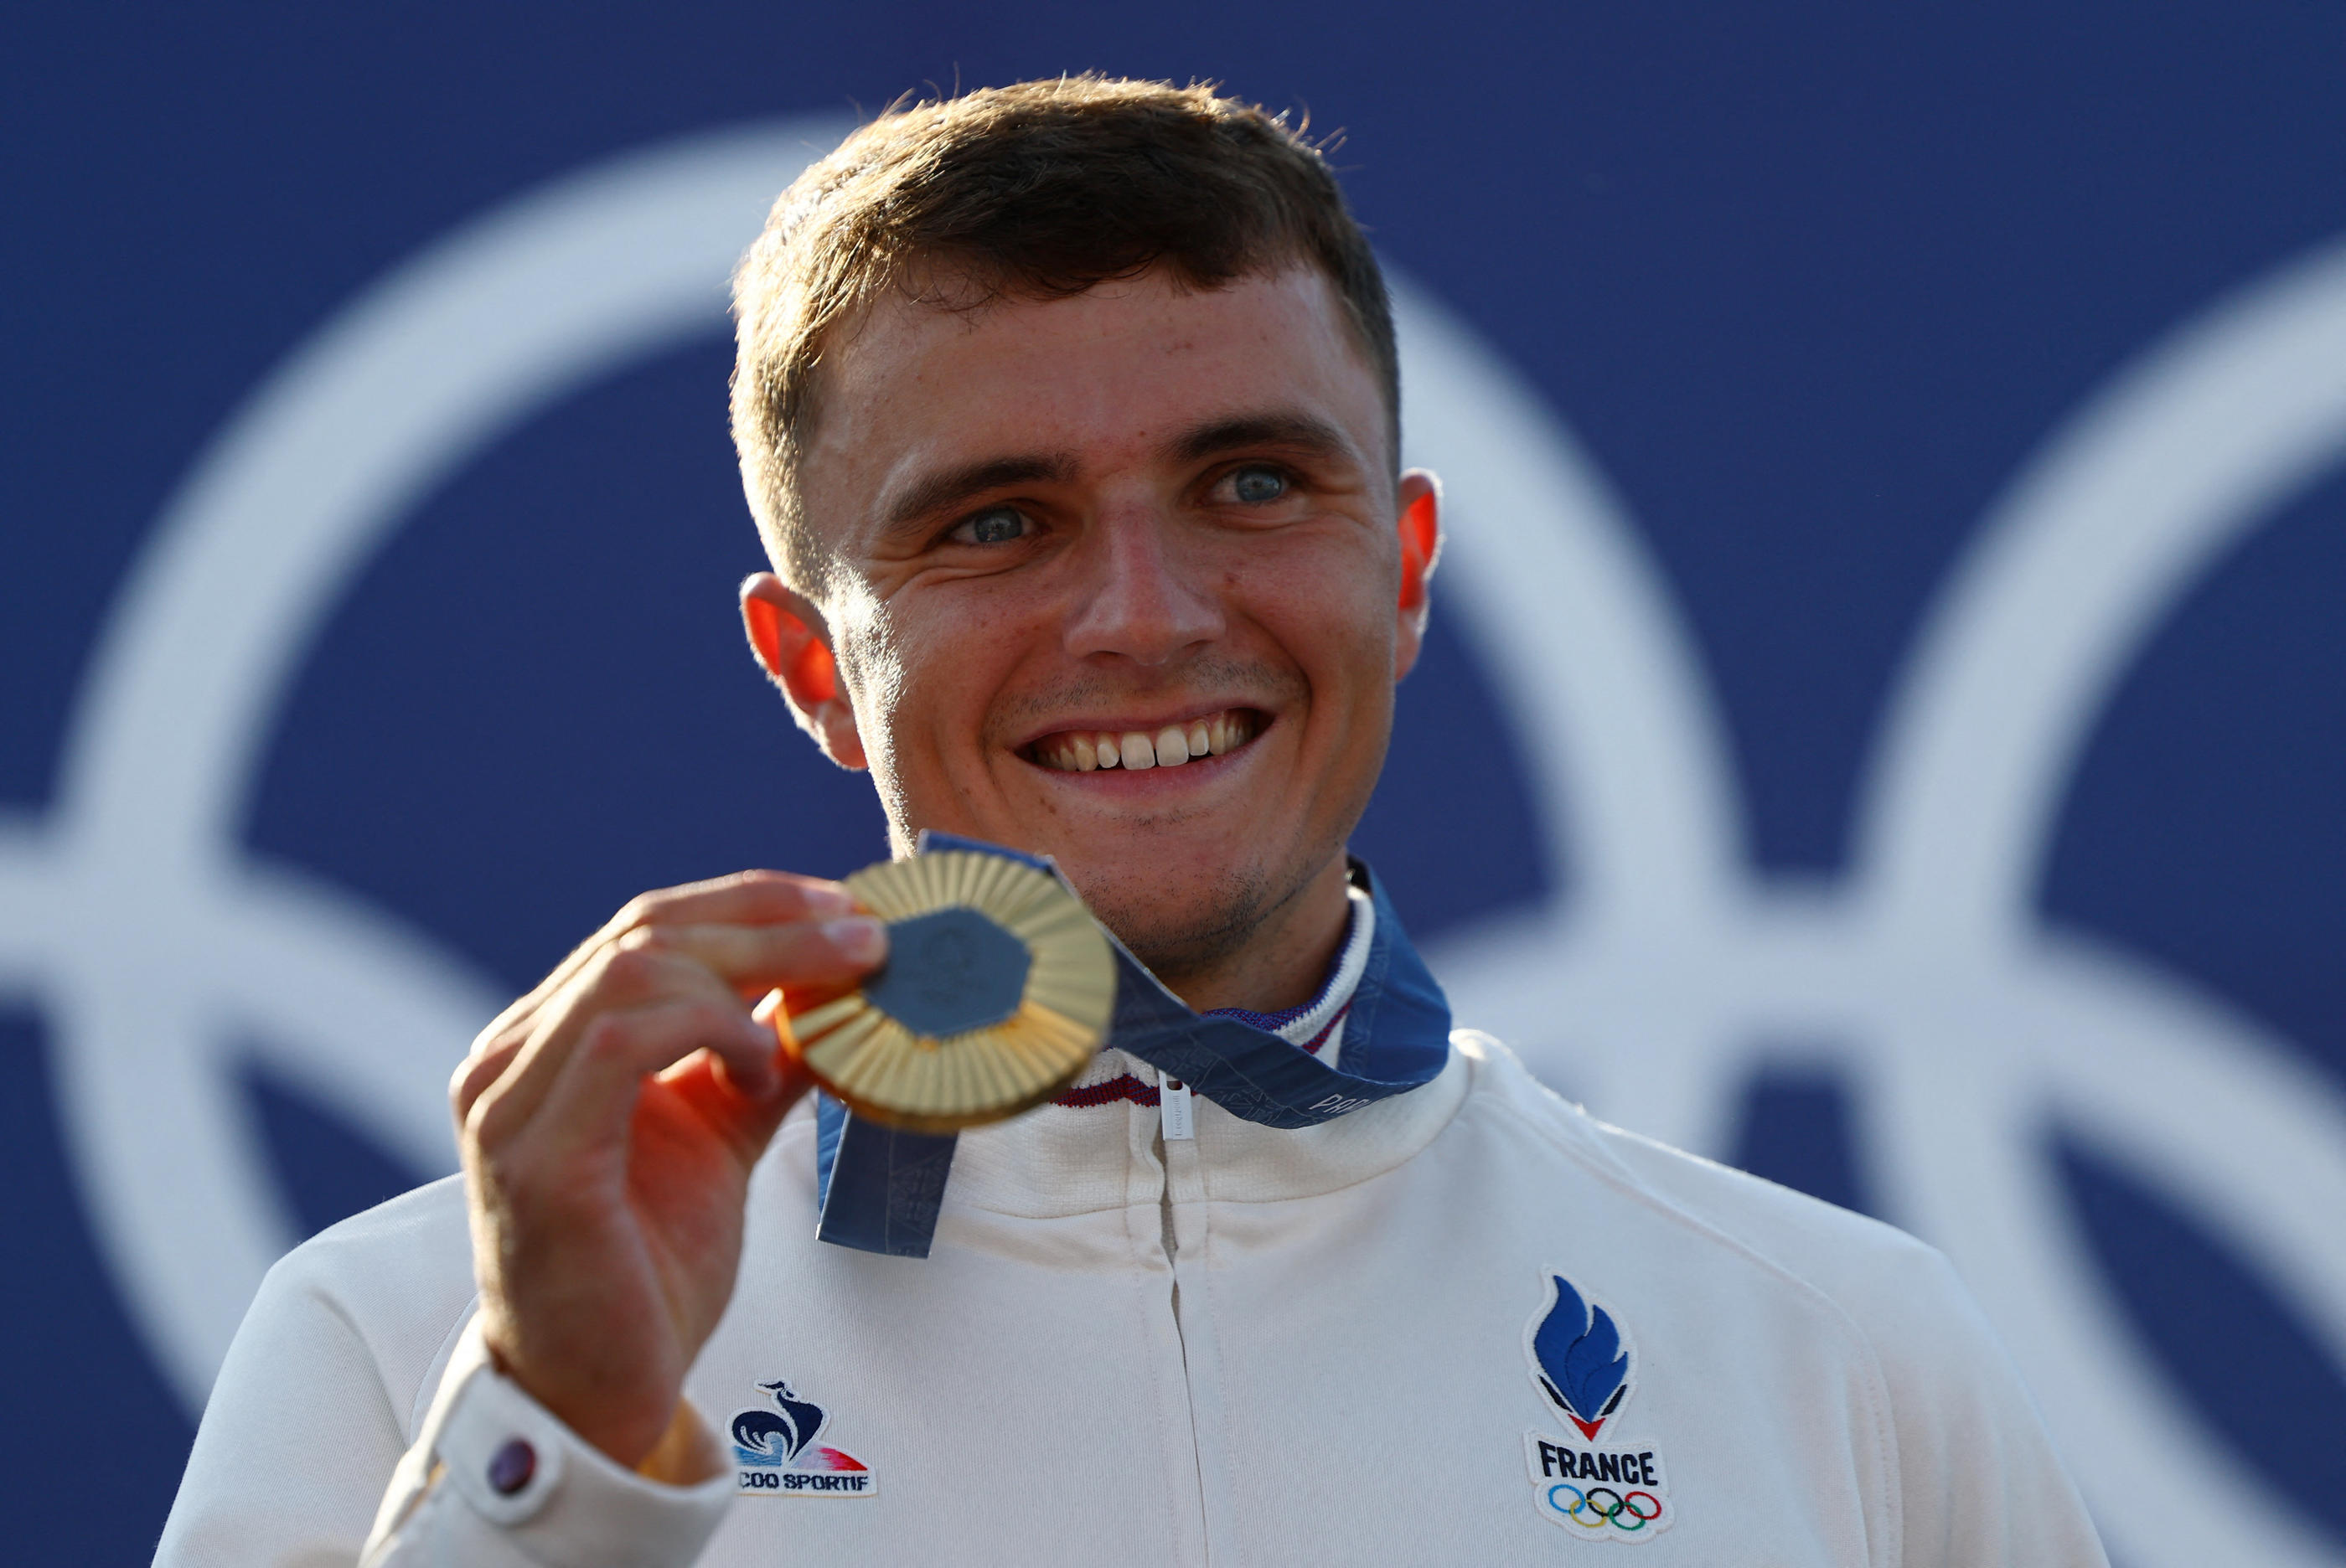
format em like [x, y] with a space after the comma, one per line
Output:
[1117, 581]
[1069, 414]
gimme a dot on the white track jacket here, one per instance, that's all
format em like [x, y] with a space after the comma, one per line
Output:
[1465, 1325]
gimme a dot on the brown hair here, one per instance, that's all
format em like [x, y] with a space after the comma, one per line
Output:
[1040, 189]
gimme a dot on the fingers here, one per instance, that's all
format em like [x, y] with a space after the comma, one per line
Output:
[477, 1072]
[752, 962]
[616, 983]
[591, 1104]
[756, 959]
[748, 898]
[703, 1084]
[703, 974]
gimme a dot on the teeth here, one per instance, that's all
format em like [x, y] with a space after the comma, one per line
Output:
[1085, 750]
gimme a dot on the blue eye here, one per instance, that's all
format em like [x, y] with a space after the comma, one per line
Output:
[1000, 525]
[1256, 485]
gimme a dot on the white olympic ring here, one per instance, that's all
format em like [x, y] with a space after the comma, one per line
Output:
[1663, 968]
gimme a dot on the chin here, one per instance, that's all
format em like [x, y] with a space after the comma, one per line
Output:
[1176, 925]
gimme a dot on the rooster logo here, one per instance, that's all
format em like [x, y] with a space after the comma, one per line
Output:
[783, 1439]
[1579, 1360]
[768, 1438]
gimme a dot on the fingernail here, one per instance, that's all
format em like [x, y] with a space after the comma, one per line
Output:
[756, 1077]
[828, 898]
[858, 937]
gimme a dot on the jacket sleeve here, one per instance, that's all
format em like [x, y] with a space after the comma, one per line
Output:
[296, 1440]
[302, 1458]
[495, 1479]
[1980, 1483]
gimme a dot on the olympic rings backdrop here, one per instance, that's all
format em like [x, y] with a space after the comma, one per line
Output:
[1885, 723]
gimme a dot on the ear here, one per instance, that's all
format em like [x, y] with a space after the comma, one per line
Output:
[1418, 497]
[788, 635]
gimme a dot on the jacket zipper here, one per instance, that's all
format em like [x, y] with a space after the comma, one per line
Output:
[1177, 1124]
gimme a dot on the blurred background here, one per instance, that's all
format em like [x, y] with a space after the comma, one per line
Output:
[1885, 725]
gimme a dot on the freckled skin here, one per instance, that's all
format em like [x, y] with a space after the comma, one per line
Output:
[1137, 586]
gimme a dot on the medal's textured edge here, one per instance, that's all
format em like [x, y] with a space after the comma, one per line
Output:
[1072, 977]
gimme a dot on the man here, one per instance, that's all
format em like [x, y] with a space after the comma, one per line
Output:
[1069, 415]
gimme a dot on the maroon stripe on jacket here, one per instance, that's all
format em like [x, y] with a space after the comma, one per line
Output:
[1125, 1086]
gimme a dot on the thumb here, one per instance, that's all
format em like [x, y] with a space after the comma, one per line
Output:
[745, 1121]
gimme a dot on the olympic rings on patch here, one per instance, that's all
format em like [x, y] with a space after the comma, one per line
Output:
[1591, 1514]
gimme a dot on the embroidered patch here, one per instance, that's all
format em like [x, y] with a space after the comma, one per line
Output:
[1593, 1483]
[777, 1455]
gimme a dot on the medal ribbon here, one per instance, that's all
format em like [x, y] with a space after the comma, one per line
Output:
[880, 1189]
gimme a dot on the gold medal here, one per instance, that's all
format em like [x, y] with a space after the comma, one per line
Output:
[997, 990]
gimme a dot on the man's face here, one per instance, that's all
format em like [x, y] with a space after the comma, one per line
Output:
[1140, 522]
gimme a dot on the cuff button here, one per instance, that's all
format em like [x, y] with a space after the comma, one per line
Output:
[511, 1467]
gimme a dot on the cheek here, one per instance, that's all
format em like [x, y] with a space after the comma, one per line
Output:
[1336, 619]
[869, 654]
[950, 657]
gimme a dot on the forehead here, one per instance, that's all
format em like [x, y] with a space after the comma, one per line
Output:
[1108, 375]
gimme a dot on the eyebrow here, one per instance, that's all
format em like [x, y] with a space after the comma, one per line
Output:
[937, 493]
[1296, 431]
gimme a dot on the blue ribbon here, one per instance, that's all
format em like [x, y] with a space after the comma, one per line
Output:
[880, 1189]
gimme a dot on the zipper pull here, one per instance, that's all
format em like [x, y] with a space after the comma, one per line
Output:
[1174, 1110]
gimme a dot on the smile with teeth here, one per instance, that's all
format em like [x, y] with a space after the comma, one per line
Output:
[1085, 750]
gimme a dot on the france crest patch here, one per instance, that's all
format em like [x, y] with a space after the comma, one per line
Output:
[1594, 1482]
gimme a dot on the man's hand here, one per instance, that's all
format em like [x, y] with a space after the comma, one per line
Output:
[609, 1121]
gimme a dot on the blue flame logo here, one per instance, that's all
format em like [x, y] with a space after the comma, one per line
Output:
[1583, 1368]
[766, 1437]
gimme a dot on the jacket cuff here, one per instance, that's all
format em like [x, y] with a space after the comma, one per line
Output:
[551, 1496]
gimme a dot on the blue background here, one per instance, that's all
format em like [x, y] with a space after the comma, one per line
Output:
[1810, 281]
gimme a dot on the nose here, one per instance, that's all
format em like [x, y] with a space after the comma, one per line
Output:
[1145, 596]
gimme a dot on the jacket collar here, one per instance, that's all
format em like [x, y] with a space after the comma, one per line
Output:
[881, 1189]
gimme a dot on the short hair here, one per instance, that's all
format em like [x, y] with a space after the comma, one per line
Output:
[1037, 190]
